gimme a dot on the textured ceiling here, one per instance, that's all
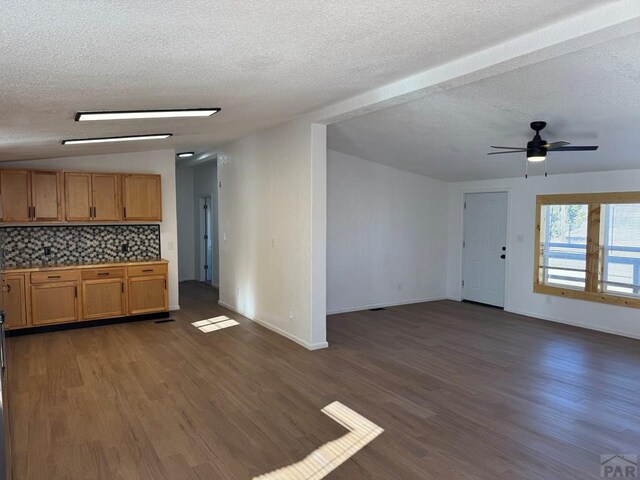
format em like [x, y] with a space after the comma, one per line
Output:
[591, 96]
[262, 62]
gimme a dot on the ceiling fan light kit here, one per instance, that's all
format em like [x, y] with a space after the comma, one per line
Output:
[537, 149]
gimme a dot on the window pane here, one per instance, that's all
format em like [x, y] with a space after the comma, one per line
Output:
[564, 245]
[622, 249]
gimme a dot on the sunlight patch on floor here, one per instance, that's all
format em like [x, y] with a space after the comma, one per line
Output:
[331, 455]
[216, 323]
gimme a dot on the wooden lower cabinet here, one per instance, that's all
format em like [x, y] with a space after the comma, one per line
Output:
[103, 298]
[147, 294]
[14, 301]
[54, 303]
[51, 296]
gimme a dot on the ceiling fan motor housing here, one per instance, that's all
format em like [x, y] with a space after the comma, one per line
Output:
[535, 148]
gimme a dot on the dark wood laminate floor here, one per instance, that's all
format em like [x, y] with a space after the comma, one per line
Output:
[462, 391]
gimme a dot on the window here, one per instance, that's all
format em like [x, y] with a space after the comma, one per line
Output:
[588, 247]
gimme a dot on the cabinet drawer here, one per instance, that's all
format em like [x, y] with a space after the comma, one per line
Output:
[54, 276]
[143, 270]
[102, 273]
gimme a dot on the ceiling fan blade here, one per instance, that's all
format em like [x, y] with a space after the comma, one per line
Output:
[512, 151]
[551, 146]
[576, 149]
[510, 148]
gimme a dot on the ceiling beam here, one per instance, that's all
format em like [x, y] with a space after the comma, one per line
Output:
[598, 25]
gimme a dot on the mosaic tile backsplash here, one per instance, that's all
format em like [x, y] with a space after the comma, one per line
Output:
[69, 245]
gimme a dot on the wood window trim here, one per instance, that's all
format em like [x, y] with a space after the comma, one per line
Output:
[594, 260]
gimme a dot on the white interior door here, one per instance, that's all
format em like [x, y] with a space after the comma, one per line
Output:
[485, 237]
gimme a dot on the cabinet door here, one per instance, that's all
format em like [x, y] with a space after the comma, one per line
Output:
[78, 196]
[46, 196]
[54, 303]
[15, 301]
[103, 298]
[106, 196]
[142, 197]
[147, 294]
[15, 187]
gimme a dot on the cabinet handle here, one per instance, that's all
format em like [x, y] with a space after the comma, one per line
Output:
[75, 291]
[34, 212]
[54, 276]
[165, 283]
[125, 212]
[103, 274]
[90, 210]
[28, 212]
[147, 270]
[122, 283]
[94, 212]
[7, 288]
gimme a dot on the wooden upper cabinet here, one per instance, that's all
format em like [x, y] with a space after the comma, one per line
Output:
[92, 196]
[15, 188]
[31, 195]
[46, 196]
[106, 196]
[78, 196]
[142, 197]
[50, 196]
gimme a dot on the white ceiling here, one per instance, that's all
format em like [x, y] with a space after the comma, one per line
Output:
[262, 62]
[591, 96]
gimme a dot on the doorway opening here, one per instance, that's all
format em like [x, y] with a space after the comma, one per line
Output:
[484, 248]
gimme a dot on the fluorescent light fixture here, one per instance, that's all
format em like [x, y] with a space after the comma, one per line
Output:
[127, 138]
[146, 114]
[185, 154]
[537, 158]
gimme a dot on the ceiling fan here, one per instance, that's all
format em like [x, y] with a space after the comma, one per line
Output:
[538, 148]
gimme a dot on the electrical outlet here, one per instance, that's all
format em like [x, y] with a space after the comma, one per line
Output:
[47, 251]
[125, 247]
[290, 313]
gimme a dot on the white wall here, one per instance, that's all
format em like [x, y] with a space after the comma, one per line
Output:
[386, 235]
[160, 162]
[186, 223]
[519, 284]
[271, 229]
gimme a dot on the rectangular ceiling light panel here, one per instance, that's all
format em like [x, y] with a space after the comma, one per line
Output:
[146, 114]
[127, 138]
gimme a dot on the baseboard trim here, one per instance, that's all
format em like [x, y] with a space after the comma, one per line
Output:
[278, 330]
[189, 279]
[549, 318]
[173, 308]
[384, 305]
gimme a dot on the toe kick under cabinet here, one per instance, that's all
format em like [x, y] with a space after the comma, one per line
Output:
[57, 295]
